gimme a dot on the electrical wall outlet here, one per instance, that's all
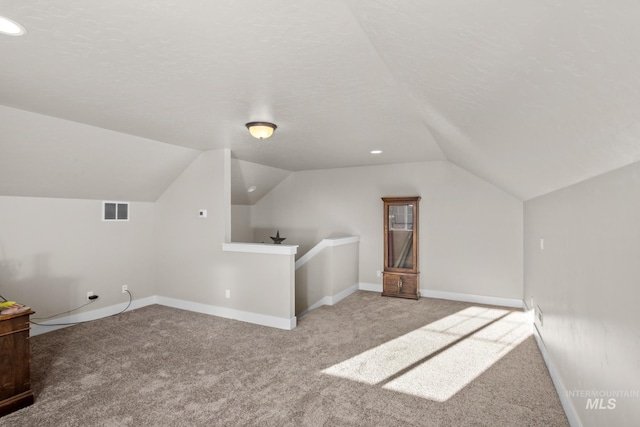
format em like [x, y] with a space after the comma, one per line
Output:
[378, 273]
[227, 293]
[125, 288]
[89, 294]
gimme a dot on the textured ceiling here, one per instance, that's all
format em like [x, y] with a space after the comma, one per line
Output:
[47, 157]
[531, 95]
[245, 175]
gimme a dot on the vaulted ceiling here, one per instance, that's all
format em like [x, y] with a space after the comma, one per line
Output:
[532, 95]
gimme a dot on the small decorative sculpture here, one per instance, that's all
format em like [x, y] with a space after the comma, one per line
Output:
[278, 240]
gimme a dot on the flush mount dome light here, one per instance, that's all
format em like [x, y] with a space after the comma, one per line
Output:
[251, 189]
[11, 28]
[261, 130]
[376, 151]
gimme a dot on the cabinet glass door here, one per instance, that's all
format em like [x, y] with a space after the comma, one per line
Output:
[400, 236]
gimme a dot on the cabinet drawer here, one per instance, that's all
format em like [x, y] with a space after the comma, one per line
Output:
[401, 285]
[15, 383]
[13, 324]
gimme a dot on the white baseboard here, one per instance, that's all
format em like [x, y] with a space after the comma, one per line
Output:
[230, 313]
[478, 299]
[87, 316]
[343, 294]
[330, 300]
[255, 318]
[454, 296]
[317, 304]
[371, 287]
[567, 405]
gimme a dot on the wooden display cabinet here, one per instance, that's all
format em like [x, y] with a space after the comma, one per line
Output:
[401, 273]
[15, 375]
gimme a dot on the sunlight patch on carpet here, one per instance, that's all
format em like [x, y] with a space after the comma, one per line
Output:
[442, 376]
[382, 362]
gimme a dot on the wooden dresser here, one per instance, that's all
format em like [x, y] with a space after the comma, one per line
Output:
[15, 375]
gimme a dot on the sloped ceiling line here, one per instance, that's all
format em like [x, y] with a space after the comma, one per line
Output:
[359, 19]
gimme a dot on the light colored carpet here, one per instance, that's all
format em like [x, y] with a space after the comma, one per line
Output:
[367, 361]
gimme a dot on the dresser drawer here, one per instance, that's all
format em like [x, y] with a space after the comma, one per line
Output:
[15, 382]
[13, 324]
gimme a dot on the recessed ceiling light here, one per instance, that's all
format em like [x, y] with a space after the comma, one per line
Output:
[11, 28]
[376, 151]
[251, 189]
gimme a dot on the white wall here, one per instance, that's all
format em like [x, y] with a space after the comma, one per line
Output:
[53, 251]
[327, 274]
[312, 282]
[241, 224]
[470, 231]
[188, 246]
[586, 281]
[262, 284]
[192, 266]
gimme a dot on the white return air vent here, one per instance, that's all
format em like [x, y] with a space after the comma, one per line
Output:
[115, 211]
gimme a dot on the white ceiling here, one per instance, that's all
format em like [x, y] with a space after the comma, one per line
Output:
[245, 175]
[47, 157]
[531, 95]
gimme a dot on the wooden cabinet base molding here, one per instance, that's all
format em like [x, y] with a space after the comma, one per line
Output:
[400, 285]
